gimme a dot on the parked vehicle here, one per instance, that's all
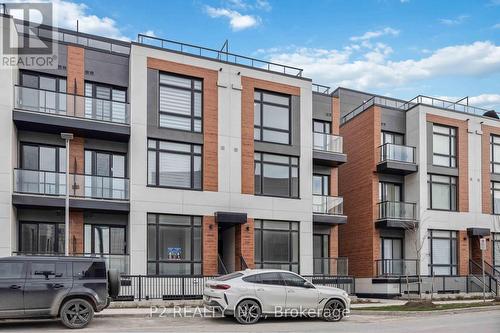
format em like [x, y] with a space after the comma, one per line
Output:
[68, 288]
[251, 294]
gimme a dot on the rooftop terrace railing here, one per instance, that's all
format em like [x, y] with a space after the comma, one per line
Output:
[375, 100]
[219, 55]
[321, 89]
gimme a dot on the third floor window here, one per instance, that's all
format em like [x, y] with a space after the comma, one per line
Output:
[494, 154]
[272, 120]
[180, 103]
[444, 141]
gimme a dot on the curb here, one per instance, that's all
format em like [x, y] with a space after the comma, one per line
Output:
[356, 312]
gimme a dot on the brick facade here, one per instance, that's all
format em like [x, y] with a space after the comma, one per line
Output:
[462, 156]
[75, 231]
[210, 115]
[334, 247]
[210, 239]
[475, 250]
[485, 167]
[76, 70]
[358, 239]
[463, 252]
[244, 244]
[247, 121]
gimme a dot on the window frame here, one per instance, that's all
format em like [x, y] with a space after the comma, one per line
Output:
[452, 145]
[327, 184]
[495, 238]
[57, 225]
[453, 201]
[92, 236]
[192, 91]
[494, 189]
[192, 155]
[261, 127]
[381, 193]
[453, 236]
[157, 260]
[57, 148]
[38, 75]
[105, 85]
[494, 163]
[386, 134]
[110, 154]
[327, 126]
[290, 166]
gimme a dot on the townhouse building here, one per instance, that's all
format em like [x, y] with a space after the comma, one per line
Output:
[184, 160]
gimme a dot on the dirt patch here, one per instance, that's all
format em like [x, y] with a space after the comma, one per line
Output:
[419, 305]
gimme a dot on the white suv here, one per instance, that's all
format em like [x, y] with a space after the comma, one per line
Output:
[252, 293]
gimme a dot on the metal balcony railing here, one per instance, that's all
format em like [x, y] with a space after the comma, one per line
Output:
[398, 153]
[63, 104]
[321, 89]
[84, 186]
[397, 267]
[327, 142]
[331, 266]
[397, 210]
[323, 204]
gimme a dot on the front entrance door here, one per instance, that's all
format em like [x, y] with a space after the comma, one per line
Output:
[226, 249]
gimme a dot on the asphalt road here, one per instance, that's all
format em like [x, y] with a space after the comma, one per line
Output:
[484, 321]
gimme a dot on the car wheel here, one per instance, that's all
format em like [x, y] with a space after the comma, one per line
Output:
[247, 312]
[334, 310]
[76, 313]
[114, 283]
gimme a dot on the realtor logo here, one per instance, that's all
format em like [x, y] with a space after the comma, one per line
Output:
[25, 43]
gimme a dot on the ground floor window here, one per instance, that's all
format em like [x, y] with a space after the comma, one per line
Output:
[321, 254]
[443, 246]
[392, 255]
[277, 245]
[496, 250]
[35, 237]
[174, 245]
[105, 239]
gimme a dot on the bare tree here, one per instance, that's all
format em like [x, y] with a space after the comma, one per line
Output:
[413, 227]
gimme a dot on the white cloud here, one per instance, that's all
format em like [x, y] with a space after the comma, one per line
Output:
[371, 68]
[263, 4]
[375, 34]
[150, 33]
[237, 21]
[485, 101]
[496, 26]
[454, 21]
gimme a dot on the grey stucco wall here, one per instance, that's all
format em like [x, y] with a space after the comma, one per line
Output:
[322, 107]
[106, 68]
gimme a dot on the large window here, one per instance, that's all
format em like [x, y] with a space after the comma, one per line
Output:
[43, 157]
[391, 137]
[105, 175]
[105, 239]
[181, 102]
[176, 165]
[495, 197]
[442, 192]
[321, 185]
[321, 126]
[390, 192]
[321, 253]
[277, 245]
[443, 244]
[496, 250]
[106, 103]
[271, 117]
[174, 245]
[37, 237]
[276, 175]
[41, 92]
[444, 152]
[495, 154]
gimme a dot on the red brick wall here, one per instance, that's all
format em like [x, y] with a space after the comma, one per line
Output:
[75, 231]
[210, 239]
[358, 239]
[210, 115]
[485, 166]
[462, 151]
[244, 244]
[475, 250]
[247, 145]
[76, 70]
[463, 252]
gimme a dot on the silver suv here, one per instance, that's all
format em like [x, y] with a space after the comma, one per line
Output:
[68, 288]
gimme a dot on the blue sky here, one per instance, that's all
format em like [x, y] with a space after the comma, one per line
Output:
[398, 48]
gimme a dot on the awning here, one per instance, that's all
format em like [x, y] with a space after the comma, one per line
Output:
[230, 218]
[481, 232]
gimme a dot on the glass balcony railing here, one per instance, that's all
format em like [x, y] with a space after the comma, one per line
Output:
[397, 210]
[397, 267]
[398, 153]
[323, 204]
[331, 266]
[327, 142]
[58, 103]
[84, 186]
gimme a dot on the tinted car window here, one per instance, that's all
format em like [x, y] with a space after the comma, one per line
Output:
[271, 278]
[229, 276]
[293, 280]
[252, 278]
[11, 270]
[89, 270]
[44, 270]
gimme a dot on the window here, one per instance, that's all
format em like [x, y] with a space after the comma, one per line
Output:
[11, 270]
[292, 280]
[180, 102]
[494, 154]
[443, 245]
[271, 117]
[321, 254]
[174, 245]
[320, 126]
[43, 93]
[276, 175]
[105, 102]
[277, 245]
[273, 278]
[89, 270]
[496, 250]
[391, 137]
[444, 146]
[45, 270]
[43, 157]
[495, 197]
[106, 171]
[321, 185]
[390, 192]
[105, 239]
[442, 192]
[177, 165]
[35, 238]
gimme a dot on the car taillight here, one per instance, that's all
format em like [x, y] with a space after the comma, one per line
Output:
[220, 286]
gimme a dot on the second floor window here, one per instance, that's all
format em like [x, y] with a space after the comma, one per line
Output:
[180, 103]
[495, 197]
[272, 117]
[107, 103]
[391, 137]
[494, 154]
[444, 140]
[42, 93]
[276, 175]
[321, 185]
[176, 165]
[442, 192]
[43, 157]
[389, 192]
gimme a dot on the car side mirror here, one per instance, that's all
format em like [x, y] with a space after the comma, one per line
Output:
[308, 284]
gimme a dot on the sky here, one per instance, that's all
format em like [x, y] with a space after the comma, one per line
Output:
[397, 48]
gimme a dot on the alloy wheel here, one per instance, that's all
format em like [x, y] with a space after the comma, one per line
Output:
[248, 312]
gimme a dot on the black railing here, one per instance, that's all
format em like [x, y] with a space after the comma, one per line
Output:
[321, 89]
[219, 55]
[490, 278]
[397, 267]
[444, 284]
[331, 266]
[222, 270]
[347, 283]
[243, 263]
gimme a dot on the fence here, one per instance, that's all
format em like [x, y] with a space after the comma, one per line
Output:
[446, 284]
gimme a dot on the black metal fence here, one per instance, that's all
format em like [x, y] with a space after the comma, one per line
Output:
[445, 284]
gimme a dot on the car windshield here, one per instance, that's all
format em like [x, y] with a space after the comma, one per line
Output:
[229, 276]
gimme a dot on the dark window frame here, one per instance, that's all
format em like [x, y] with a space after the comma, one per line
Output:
[261, 127]
[105, 85]
[110, 154]
[452, 143]
[325, 124]
[192, 90]
[191, 226]
[453, 237]
[290, 166]
[495, 238]
[22, 144]
[192, 154]
[92, 235]
[58, 78]
[37, 223]
[493, 162]
[323, 177]
[453, 201]
[384, 134]
[494, 189]
[382, 197]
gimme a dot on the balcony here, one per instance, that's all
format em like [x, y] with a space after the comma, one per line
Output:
[397, 267]
[56, 112]
[397, 214]
[328, 210]
[331, 266]
[397, 159]
[45, 188]
[328, 149]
